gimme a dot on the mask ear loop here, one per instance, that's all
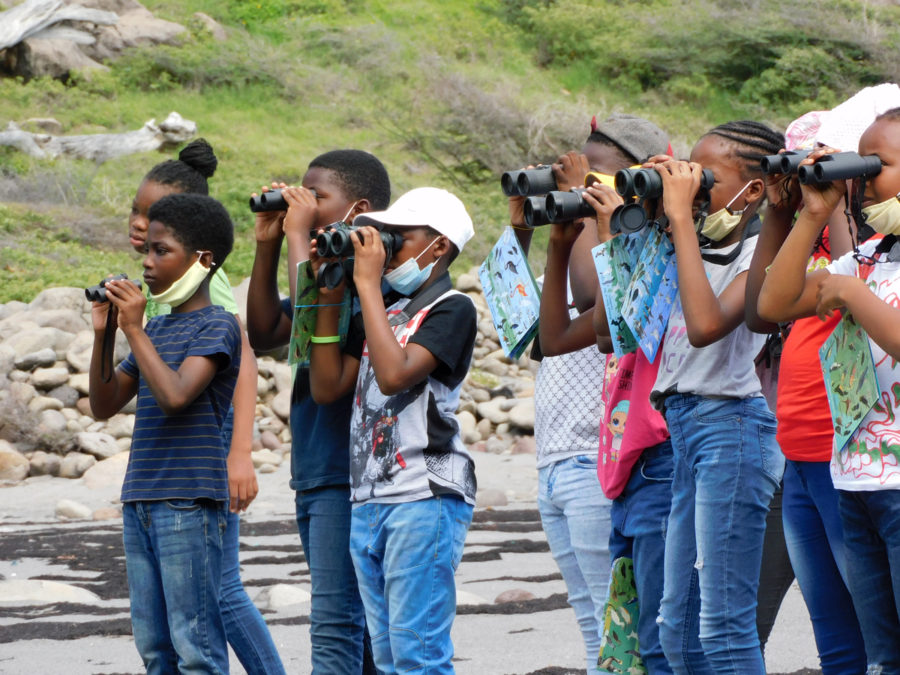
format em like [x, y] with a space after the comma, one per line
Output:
[853, 208]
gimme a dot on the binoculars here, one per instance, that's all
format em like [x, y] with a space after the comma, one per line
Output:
[336, 242]
[838, 166]
[98, 293]
[528, 182]
[271, 200]
[786, 162]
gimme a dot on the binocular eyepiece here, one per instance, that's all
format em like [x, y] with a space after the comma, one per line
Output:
[839, 166]
[528, 182]
[786, 162]
[647, 183]
[98, 293]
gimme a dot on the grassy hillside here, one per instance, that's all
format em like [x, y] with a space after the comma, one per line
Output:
[446, 93]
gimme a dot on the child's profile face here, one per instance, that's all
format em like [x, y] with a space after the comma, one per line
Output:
[415, 241]
[882, 139]
[332, 204]
[149, 192]
[717, 155]
[166, 259]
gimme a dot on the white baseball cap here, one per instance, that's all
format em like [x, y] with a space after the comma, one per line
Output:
[431, 207]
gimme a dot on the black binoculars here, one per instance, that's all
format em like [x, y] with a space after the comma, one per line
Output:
[786, 162]
[527, 182]
[98, 293]
[336, 242]
[271, 200]
[839, 166]
[647, 183]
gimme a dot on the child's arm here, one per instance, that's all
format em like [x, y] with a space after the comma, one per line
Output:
[708, 318]
[107, 398]
[298, 223]
[172, 390]
[267, 325]
[787, 291]
[242, 484]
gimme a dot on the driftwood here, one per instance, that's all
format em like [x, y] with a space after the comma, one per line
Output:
[174, 130]
[36, 18]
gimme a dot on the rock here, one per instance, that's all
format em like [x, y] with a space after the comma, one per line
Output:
[480, 395]
[79, 352]
[108, 472]
[262, 386]
[494, 366]
[524, 445]
[265, 456]
[281, 404]
[42, 357]
[40, 403]
[502, 429]
[69, 320]
[14, 466]
[467, 405]
[120, 426]
[74, 464]
[468, 282]
[80, 382]
[124, 444]
[493, 411]
[522, 414]
[467, 429]
[490, 497]
[513, 595]
[48, 378]
[84, 406]
[214, 27]
[45, 463]
[65, 394]
[7, 358]
[467, 598]
[21, 392]
[39, 592]
[484, 428]
[72, 510]
[61, 298]
[281, 373]
[32, 340]
[12, 307]
[267, 468]
[107, 513]
[281, 595]
[52, 420]
[269, 440]
[496, 445]
[97, 444]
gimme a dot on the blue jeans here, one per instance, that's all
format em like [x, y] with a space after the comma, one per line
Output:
[173, 556]
[872, 537]
[405, 557]
[639, 519]
[575, 515]
[245, 627]
[337, 618]
[815, 541]
[727, 466]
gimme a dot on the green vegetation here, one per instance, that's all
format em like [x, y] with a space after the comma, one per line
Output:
[448, 93]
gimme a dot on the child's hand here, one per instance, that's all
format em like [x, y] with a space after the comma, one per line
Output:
[99, 312]
[302, 209]
[605, 200]
[657, 159]
[820, 201]
[242, 484]
[570, 170]
[369, 254]
[268, 226]
[783, 192]
[129, 301]
[681, 180]
[517, 211]
[566, 233]
[833, 292]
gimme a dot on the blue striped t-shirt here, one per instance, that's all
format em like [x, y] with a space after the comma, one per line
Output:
[182, 456]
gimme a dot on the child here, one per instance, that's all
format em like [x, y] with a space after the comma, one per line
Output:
[411, 479]
[865, 284]
[577, 517]
[183, 367]
[246, 629]
[337, 186]
[727, 464]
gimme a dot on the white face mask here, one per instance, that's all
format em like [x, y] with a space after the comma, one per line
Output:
[183, 289]
[720, 224]
[884, 217]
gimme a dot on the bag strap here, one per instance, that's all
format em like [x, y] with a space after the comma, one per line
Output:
[424, 298]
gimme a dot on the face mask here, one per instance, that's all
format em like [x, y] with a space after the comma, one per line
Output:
[720, 224]
[884, 217]
[184, 288]
[407, 278]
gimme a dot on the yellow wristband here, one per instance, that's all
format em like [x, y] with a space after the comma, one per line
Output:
[327, 339]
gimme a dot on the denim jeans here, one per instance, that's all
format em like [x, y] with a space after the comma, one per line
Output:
[639, 520]
[405, 557]
[815, 540]
[727, 466]
[337, 618]
[575, 515]
[173, 557]
[872, 537]
[245, 628]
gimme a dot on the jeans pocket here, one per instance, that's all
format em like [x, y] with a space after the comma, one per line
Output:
[717, 411]
[770, 454]
[182, 504]
[585, 462]
[658, 471]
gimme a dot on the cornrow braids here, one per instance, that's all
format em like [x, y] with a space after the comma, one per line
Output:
[189, 173]
[752, 141]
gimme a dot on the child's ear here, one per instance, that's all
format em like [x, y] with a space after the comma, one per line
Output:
[361, 206]
[756, 190]
[441, 247]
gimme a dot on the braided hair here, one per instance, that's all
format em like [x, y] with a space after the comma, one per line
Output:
[189, 173]
[752, 141]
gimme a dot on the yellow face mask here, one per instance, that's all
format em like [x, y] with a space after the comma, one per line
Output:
[720, 224]
[884, 217]
[183, 289]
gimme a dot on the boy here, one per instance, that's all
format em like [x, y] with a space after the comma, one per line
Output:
[412, 481]
[337, 186]
[183, 367]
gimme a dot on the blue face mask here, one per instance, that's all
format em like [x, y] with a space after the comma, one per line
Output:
[408, 278]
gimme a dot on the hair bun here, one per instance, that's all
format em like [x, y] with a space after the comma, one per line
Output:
[199, 156]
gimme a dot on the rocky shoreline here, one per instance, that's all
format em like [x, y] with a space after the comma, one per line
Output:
[46, 426]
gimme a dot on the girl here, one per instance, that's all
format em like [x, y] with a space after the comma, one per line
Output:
[727, 464]
[244, 626]
[866, 284]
